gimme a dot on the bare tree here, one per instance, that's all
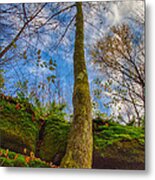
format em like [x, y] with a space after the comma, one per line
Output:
[121, 59]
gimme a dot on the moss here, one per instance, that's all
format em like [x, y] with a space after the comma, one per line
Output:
[38, 164]
[110, 132]
[128, 151]
[54, 138]
[17, 130]
[69, 162]
[6, 162]
[117, 146]
[20, 162]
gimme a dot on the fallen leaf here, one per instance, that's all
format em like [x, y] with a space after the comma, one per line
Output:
[27, 159]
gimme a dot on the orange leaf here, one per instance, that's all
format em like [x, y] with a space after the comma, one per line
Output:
[16, 156]
[6, 153]
[106, 124]
[27, 159]
[18, 106]
[1, 153]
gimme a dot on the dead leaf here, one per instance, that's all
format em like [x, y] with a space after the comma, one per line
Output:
[18, 106]
[16, 156]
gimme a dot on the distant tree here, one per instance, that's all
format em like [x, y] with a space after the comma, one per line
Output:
[120, 57]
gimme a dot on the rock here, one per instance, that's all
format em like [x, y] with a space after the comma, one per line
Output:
[120, 155]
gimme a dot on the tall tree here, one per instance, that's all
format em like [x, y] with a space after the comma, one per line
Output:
[80, 142]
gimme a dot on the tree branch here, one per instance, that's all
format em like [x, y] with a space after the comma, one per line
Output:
[2, 53]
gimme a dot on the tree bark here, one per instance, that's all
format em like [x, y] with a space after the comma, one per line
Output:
[80, 141]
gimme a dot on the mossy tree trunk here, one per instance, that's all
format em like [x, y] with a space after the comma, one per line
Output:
[80, 141]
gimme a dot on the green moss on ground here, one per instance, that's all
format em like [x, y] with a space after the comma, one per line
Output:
[17, 130]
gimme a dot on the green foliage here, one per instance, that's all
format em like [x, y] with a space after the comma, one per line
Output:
[14, 45]
[51, 78]
[4, 162]
[36, 163]
[39, 52]
[20, 162]
[11, 159]
[24, 55]
[22, 94]
[56, 111]
[51, 68]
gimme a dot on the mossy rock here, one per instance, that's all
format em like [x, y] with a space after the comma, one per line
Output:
[118, 147]
[54, 141]
[120, 155]
[17, 130]
[115, 146]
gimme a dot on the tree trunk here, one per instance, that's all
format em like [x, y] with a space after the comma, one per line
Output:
[80, 141]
